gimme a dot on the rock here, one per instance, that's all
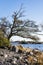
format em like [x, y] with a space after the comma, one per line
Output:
[9, 60]
[3, 47]
[36, 52]
[20, 47]
[1, 63]
[5, 55]
[6, 63]
[31, 53]
[20, 62]
[35, 59]
[1, 54]
[21, 57]
[28, 49]
[13, 48]
[14, 61]
[17, 49]
[20, 51]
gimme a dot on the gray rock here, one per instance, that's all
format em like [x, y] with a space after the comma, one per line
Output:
[13, 48]
[6, 63]
[1, 63]
[1, 53]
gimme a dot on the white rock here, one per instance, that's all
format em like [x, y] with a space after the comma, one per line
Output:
[31, 53]
[35, 59]
[5, 55]
[20, 57]
[14, 62]
[15, 59]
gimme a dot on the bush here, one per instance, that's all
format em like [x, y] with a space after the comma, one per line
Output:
[4, 42]
[23, 42]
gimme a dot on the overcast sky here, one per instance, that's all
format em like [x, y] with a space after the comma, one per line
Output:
[33, 9]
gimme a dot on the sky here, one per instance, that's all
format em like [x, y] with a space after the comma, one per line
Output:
[33, 9]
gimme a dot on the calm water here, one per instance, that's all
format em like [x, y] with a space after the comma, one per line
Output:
[33, 46]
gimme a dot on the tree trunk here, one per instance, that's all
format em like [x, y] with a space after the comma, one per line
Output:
[9, 36]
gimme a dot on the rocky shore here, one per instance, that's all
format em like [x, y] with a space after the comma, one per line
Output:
[18, 55]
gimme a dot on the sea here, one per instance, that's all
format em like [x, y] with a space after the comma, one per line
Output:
[30, 45]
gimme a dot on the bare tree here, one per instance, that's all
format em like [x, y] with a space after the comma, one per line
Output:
[18, 27]
[15, 27]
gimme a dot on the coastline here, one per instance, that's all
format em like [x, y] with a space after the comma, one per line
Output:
[18, 55]
[27, 42]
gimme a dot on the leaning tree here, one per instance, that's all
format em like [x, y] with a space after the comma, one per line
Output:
[12, 29]
[18, 27]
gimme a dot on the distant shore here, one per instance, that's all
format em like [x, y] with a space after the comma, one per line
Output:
[27, 42]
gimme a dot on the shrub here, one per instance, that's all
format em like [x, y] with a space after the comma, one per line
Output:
[23, 42]
[4, 42]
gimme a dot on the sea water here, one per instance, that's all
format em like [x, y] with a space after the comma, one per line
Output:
[29, 45]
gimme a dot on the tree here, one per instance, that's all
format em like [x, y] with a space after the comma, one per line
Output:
[18, 27]
[15, 26]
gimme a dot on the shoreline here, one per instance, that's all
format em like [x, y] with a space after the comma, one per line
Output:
[19, 55]
[27, 42]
